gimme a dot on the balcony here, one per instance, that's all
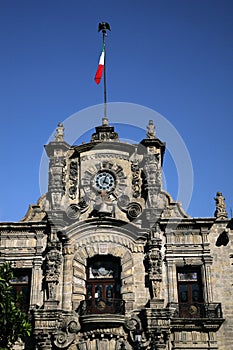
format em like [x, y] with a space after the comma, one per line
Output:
[197, 315]
[102, 306]
[100, 311]
[197, 310]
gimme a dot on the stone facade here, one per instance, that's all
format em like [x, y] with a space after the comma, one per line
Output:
[113, 262]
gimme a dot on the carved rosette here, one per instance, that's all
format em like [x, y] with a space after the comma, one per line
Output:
[134, 210]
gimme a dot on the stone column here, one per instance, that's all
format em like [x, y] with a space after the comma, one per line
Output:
[169, 281]
[208, 283]
[36, 283]
[67, 277]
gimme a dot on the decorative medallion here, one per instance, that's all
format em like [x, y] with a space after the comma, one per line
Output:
[123, 201]
[73, 212]
[193, 310]
[134, 210]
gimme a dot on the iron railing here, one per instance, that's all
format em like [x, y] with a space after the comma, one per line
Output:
[197, 310]
[102, 306]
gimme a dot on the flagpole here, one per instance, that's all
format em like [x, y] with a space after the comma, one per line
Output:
[104, 26]
[105, 85]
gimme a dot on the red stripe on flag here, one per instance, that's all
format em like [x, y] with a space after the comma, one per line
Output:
[98, 74]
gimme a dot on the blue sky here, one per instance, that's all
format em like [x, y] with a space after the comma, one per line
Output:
[173, 56]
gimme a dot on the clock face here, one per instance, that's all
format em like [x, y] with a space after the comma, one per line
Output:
[104, 181]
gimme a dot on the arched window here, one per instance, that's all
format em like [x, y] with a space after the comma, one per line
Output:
[103, 283]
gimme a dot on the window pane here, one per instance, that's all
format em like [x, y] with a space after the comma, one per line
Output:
[187, 276]
[183, 293]
[20, 279]
[103, 267]
[89, 291]
[98, 291]
[109, 291]
[21, 283]
[195, 293]
[102, 270]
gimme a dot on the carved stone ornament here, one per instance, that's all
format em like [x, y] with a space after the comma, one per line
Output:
[220, 212]
[153, 262]
[123, 202]
[73, 212]
[156, 199]
[59, 136]
[136, 179]
[52, 265]
[150, 130]
[56, 174]
[152, 174]
[91, 185]
[132, 322]
[73, 179]
[70, 326]
[134, 210]
[103, 206]
[56, 199]
[105, 132]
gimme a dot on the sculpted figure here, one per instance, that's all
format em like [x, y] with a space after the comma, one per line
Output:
[220, 211]
[150, 130]
[59, 136]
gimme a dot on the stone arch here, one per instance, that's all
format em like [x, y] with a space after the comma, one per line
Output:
[83, 251]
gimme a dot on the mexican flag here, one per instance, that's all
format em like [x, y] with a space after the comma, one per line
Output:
[99, 72]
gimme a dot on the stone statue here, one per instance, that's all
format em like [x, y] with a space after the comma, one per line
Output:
[220, 211]
[59, 136]
[150, 130]
[156, 288]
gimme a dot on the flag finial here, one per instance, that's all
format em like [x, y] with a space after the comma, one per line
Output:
[104, 26]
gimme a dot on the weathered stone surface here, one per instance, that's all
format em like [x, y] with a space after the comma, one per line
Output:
[122, 214]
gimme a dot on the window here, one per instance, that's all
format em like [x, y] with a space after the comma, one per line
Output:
[21, 287]
[103, 283]
[190, 295]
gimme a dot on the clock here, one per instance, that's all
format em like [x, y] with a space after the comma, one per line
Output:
[104, 181]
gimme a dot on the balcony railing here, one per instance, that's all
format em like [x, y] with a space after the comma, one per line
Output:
[102, 306]
[197, 310]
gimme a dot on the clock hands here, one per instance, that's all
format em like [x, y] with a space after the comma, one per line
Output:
[106, 182]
